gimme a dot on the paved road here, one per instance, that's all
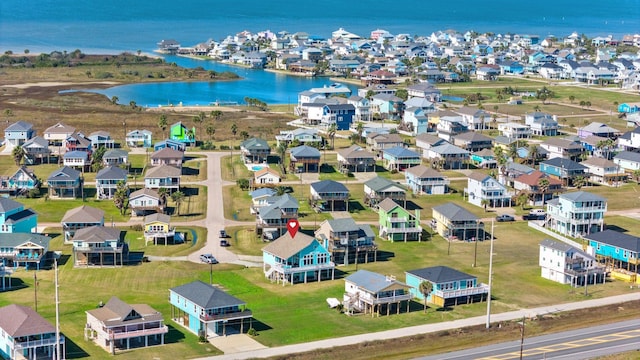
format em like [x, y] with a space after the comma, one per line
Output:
[574, 344]
[423, 329]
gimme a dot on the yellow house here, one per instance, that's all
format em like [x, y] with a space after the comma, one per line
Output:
[158, 227]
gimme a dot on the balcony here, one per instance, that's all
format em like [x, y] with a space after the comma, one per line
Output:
[576, 209]
[448, 294]
[403, 230]
[169, 233]
[30, 344]
[117, 335]
[101, 249]
[432, 182]
[228, 316]
[367, 298]
[290, 269]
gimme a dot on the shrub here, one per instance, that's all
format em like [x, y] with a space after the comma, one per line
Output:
[252, 332]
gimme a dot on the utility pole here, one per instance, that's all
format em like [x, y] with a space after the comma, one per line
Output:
[35, 290]
[55, 267]
[488, 325]
[522, 338]
[475, 249]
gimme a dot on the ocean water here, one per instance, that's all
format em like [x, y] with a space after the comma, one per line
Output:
[124, 25]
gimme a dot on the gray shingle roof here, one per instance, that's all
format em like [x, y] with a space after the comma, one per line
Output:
[378, 184]
[254, 143]
[617, 239]
[157, 217]
[455, 212]
[17, 321]
[112, 173]
[144, 191]
[401, 152]
[16, 239]
[581, 196]
[372, 282]
[19, 126]
[557, 245]
[422, 171]
[7, 205]
[163, 171]
[304, 151]
[326, 186]
[83, 214]
[285, 246]
[440, 274]
[206, 296]
[565, 164]
[629, 156]
[97, 234]
[65, 173]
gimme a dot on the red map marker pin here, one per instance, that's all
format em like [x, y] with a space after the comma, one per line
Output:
[292, 226]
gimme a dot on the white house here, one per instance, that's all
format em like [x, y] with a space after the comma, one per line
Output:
[576, 214]
[481, 186]
[266, 176]
[566, 264]
[514, 130]
[542, 124]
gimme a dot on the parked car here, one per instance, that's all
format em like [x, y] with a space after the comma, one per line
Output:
[208, 259]
[504, 217]
[538, 212]
[224, 243]
[223, 234]
[534, 217]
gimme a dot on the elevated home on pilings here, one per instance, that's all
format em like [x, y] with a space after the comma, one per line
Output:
[370, 292]
[619, 252]
[347, 241]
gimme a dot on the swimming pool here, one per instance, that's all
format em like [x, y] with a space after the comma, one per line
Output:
[257, 167]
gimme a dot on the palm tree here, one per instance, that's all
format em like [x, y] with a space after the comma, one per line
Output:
[197, 120]
[121, 198]
[534, 152]
[18, 153]
[331, 131]
[162, 123]
[425, 289]
[281, 190]
[543, 187]
[484, 203]
[512, 152]
[572, 98]
[163, 193]
[114, 100]
[636, 175]
[521, 199]
[210, 131]
[360, 130]
[178, 198]
[579, 181]
[216, 114]
[282, 151]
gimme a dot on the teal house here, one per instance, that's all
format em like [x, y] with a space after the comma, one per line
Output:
[616, 248]
[297, 259]
[14, 218]
[179, 132]
[206, 310]
[448, 286]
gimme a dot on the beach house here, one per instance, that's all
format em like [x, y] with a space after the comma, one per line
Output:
[425, 180]
[576, 213]
[99, 246]
[18, 133]
[397, 223]
[347, 241]
[28, 335]
[565, 264]
[454, 222]
[14, 218]
[369, 292]
[449, 287]
[80, 218]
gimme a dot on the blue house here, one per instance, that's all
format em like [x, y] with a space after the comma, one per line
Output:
[483, 49]
[340, 114]
[23, 249]
[563, 169]
[400, 158]
[27, 335]
[205, 310]
[388, 106]
[170, 143]
[20, 182]
[511, 67]
[296, 259]
[15, 219]
[629, 107]
[615, 248]
[18, 133]
[448, 286]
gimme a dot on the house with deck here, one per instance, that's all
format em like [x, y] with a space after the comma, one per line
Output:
[378, 188]
[449, 287]
[272, 218]
[473, 117]
[576, 214]
[260, 197]
[424, 142]
[23, 180]
[347, 241]
[99, 246]
[513, 130]
[107, 181]
[472, 141]
[563, 148]
[454, 222]
[483, 190]
[167, 156]
[598, 129]
[163, 176]
[78, 142]
[542, 124]
[23, 249]
[56, 136]
[628, 161]
[28, 335]
[538, 186]
[18, 133]
[101, 139]
[564, 169]
[139, 138]
[80, 218]
[369, 292]
[356, 159]
[14, 218]
[297, 259]
[400, 158]
[300, 135]
[397, 223]
[145, 201]
[329, 195]
[617, 250]
[255, 151]
[65, 183]
[379, 142]
[565, 264]
[171, 144]
[36, 150]
[448, 156]
[120, 326]
[304, 158]
[77, 159]
[115, 157]
[180, 132]
[605, 172]
[207, 310]
[425, 180]
[341, 115]
[158, 229]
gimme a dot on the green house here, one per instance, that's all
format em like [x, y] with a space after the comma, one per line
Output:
[397, 223]
[179, 132]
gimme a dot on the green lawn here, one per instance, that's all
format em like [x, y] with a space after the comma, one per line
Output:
[238, 171]
[194, 170]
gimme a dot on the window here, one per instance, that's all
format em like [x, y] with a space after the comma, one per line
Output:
[307, 259]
